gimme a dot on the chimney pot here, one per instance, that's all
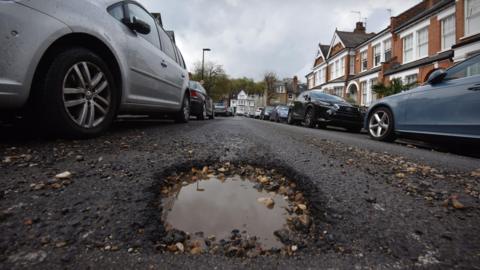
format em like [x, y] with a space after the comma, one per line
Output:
[359, 28]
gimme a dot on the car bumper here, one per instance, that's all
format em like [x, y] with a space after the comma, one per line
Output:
[196, 106]
[26, 34]
[343, 120]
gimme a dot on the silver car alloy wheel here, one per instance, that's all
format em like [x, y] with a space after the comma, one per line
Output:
[86, 95]
[204, 111]
[379, 124]
[186, 108]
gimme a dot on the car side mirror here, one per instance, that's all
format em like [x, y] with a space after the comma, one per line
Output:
[139, 26]
[436, 76]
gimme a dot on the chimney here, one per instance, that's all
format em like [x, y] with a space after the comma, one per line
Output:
[295, 84]
[359, 28]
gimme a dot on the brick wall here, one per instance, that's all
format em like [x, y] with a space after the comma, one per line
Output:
[369, 57]
[397, 48]
[434, 36]
[460, 19]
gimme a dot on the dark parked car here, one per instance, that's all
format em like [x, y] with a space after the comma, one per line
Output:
[201, 105]
[265, 114]
[279, 114]
[223, 110]
[448, 105]
[315, 107]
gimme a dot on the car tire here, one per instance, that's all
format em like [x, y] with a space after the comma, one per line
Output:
[203, 114]
[381, 125]
[183, 116]
[212, 116]
[310, 118]
[290, 119]
[78, 96]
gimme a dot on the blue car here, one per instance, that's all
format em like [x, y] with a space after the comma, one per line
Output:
[279, 114]
[447, 105]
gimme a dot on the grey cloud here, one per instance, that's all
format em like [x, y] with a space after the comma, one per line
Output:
[250, 37]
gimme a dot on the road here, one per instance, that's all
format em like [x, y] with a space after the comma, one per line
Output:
[383, 205]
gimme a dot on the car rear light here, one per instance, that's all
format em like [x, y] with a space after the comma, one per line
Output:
[193, 93]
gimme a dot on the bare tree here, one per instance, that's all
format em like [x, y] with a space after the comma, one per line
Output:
[270, 78]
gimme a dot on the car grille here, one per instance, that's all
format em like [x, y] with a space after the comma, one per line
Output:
[344, 110]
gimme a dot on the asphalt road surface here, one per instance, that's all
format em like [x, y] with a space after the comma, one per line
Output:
[400, 205]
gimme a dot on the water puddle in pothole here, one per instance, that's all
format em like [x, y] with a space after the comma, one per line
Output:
[216, 207]
[236, 210]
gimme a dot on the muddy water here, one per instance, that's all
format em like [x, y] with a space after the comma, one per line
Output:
[217, 207]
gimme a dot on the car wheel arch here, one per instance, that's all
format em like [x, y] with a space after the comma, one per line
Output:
[73, 40]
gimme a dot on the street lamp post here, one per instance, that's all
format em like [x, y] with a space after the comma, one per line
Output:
[203, 60]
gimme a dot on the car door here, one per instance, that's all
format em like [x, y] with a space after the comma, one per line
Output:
[148, 84]
[176, 75]
[296, 108]
[451, 107]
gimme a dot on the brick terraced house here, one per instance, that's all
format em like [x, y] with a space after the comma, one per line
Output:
[432, 34]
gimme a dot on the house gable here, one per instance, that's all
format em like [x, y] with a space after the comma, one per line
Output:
[335, 46]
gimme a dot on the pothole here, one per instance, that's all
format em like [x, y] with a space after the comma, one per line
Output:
[236, 210]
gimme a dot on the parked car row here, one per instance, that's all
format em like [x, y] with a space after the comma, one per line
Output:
[447, 105]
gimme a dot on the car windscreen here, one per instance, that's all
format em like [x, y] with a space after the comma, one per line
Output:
[283, 108]
[326, 97]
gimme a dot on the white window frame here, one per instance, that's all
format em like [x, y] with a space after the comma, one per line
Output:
[421, 44]
[362, 54]
[470, 31]
[322, 76]
[342, 66]
[389, 40]
[377, 51]
[450, 34]
[410, 50]
[352, 64]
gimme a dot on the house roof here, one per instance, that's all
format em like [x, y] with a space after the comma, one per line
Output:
[324, 49]
[421, 62]
[424, 14]
[351, 39]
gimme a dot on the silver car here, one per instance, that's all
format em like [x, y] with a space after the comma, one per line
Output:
[78, 64]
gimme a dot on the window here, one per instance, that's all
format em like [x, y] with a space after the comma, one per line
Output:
[468, 68]
[332, 72]
[141, 14]
[377, 55]
[363, 88]
[167, 45]
[117, 11]
[322, 75]
[336, 69]
[373, 82]
[472, 17]
[342, 67]
[352, 64]
[364, 60]
[411, 80]
[317, 77]
[387, 44]
[338, 91]
[448, 32]
[408, 48]
[422, 42]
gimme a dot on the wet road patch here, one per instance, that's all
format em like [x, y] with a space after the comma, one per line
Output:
[235, 210]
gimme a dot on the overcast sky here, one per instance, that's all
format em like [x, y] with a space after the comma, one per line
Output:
[249, 37]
